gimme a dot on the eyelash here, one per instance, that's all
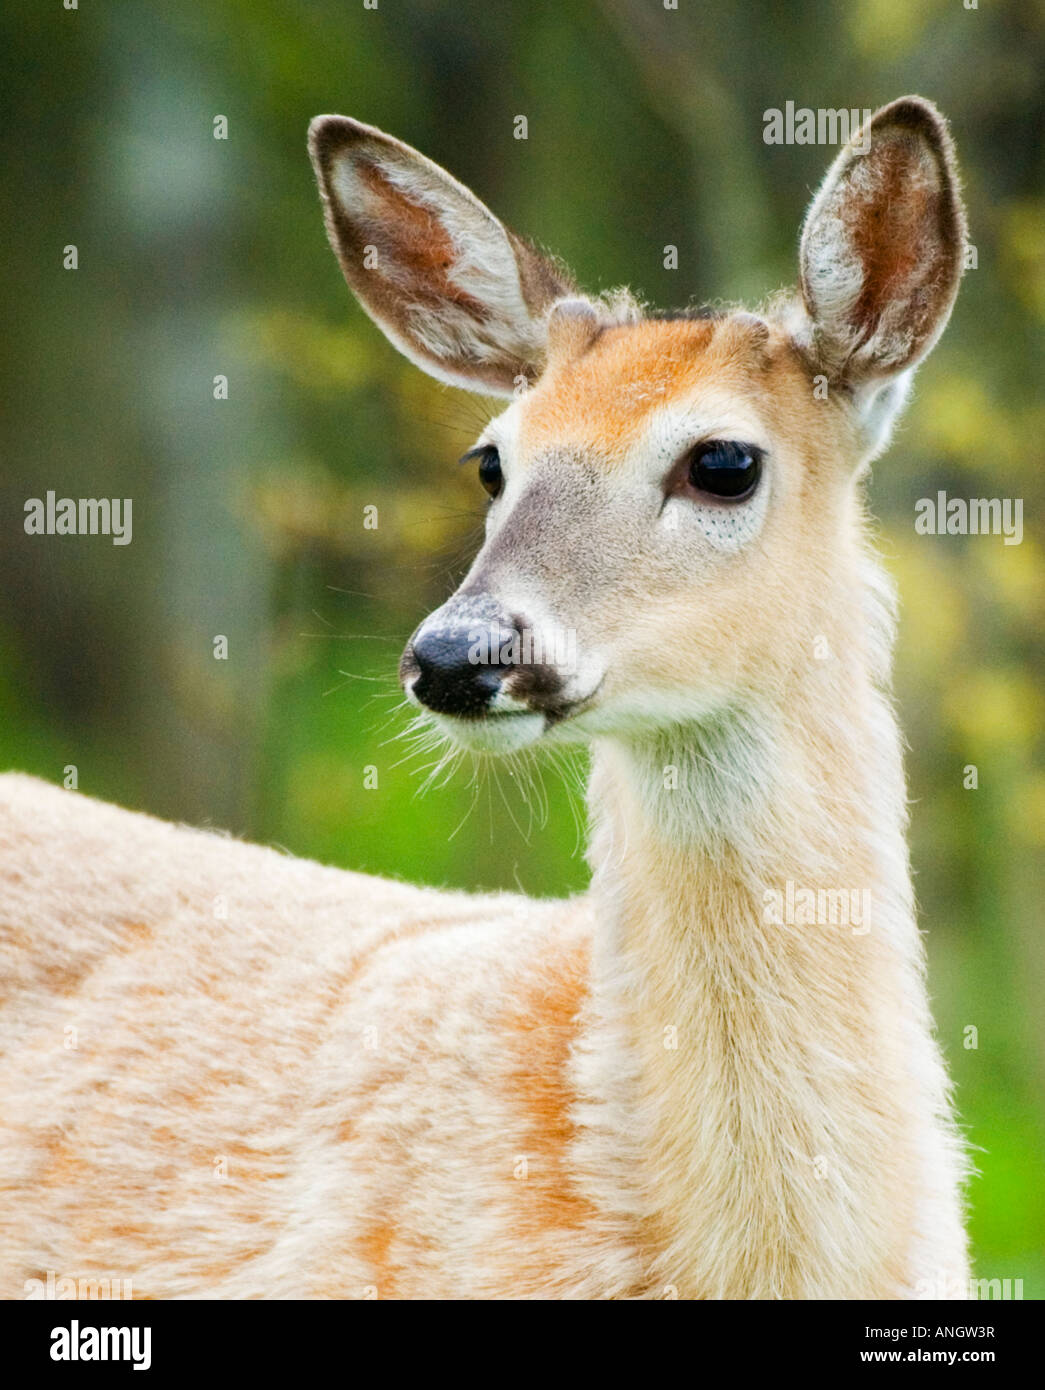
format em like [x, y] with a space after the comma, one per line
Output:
[490, 465]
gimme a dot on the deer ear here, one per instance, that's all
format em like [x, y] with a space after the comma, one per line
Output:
[452, 288]
[882, 248]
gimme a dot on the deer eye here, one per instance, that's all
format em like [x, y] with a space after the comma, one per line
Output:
[490, 474]
[726, 469]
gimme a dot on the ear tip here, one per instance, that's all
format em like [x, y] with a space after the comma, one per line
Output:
[328, 134]
[916, 114]
[911, 106]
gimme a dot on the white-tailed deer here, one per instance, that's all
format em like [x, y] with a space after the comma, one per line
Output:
[713, 1075]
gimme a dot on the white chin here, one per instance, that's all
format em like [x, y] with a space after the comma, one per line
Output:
[496, 733]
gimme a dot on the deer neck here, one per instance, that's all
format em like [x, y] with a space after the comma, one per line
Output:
[783, 1072]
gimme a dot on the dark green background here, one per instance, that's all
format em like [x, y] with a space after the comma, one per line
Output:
[200, 257]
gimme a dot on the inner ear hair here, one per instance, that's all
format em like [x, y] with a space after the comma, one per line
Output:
[450, 286]
[883, 247]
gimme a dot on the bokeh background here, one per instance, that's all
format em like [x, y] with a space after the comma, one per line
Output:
[200, 257]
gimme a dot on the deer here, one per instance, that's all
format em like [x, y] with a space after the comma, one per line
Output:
[698, 1079]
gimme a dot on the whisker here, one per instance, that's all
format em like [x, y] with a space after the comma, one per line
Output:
[353, 593]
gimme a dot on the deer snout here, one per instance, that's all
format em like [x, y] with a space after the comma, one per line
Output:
[470, 659]
[457, 660]
[446, 677]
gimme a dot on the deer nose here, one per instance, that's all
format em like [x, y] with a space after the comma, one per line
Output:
[458, 669]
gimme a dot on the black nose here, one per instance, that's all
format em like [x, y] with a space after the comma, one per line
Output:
[458, 668]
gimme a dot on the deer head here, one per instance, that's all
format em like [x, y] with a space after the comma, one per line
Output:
[672, 499]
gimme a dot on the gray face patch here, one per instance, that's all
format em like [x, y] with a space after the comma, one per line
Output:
[560, 536]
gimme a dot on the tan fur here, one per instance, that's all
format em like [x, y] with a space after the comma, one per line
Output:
[352, 1088]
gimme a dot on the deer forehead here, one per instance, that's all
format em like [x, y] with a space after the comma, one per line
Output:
[640, 384]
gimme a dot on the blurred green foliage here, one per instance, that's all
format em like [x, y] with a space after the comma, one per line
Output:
[200, 257]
